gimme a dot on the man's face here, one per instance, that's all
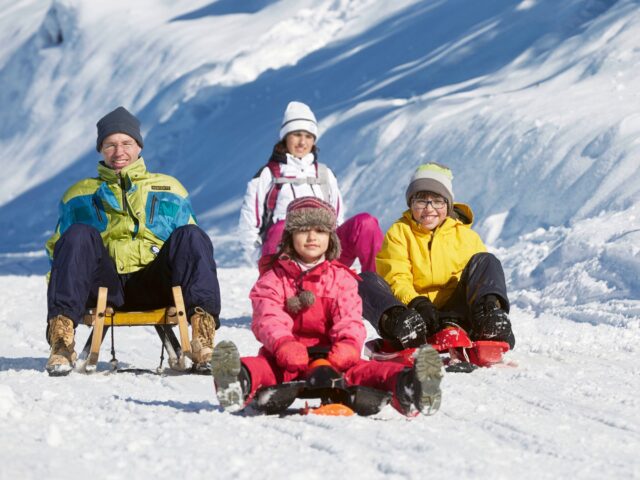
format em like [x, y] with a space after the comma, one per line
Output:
[119, 150]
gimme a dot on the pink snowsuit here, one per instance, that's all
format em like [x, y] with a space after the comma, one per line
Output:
[335, 316]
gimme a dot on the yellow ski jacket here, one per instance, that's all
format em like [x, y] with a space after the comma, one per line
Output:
[415, 261]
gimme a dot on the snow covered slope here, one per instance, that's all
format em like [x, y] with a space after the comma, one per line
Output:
[568, 410]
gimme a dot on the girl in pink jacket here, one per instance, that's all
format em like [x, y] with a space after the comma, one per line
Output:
[305, 298]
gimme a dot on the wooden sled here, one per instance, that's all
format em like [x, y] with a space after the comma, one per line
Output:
[163, 319]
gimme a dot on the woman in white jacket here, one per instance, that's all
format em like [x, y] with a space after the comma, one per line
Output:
[293, 171]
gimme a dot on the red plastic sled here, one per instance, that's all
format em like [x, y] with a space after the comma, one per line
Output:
[452, 340]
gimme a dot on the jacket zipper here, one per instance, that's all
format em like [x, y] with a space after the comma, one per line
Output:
[125, 204]
[154, 200]
[95, 206]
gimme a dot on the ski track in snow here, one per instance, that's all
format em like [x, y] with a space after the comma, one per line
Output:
[568, 409]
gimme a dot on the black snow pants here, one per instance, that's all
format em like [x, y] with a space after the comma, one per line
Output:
[81, 264]
[483, 275]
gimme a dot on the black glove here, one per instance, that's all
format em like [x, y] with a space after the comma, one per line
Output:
[404, 326]
[429, 313]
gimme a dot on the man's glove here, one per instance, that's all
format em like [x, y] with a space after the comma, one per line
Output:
[292, 355]
[405, 326]
[429, 313]
[343, 355]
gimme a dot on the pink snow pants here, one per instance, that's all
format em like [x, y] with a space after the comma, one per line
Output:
[360, 237]
[265, 372]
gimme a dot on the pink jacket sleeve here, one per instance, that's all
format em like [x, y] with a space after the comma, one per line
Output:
[271, 323]
[347, 311]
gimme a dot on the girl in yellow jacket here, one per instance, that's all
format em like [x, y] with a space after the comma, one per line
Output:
[433, 269]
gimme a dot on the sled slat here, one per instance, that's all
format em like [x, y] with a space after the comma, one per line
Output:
[178, 300]
[103, 316]
[98, 326]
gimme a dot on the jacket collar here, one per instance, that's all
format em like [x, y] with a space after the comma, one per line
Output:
[292, 268]
[308, 160]
[135, 171]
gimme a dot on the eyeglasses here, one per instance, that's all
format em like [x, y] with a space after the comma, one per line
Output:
[420, 204]
[111, 147]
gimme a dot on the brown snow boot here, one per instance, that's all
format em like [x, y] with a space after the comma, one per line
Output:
[61, 338]
[203, 331]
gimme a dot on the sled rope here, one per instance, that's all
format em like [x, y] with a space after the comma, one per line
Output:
[114, 360]
[162, 346]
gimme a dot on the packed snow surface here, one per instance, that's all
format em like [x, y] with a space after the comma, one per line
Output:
[564, 406]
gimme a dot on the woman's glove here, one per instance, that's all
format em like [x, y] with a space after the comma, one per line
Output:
[292, 356]
[343, 355]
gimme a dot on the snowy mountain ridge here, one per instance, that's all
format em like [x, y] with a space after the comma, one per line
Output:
[537, 118]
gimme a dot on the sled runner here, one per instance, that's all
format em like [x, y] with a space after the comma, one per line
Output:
[103, 317]
[464, 355]
[325, 384]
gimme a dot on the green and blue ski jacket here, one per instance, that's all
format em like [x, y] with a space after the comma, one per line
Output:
[135, 211]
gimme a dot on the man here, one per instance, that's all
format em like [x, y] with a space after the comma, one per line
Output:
[135, 233]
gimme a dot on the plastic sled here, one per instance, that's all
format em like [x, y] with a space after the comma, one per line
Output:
[463, 354]
[326, 385]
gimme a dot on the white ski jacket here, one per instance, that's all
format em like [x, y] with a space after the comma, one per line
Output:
[251, 213]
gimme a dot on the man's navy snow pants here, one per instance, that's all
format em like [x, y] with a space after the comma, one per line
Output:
[483, 275]
[81, 264]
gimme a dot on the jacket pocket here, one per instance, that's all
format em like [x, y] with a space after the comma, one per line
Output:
[154, 202]
[97, 209]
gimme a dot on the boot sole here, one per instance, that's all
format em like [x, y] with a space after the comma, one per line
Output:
[225, 367]
[202, 368]
[59, 370]
[62, 365]
[428, 375]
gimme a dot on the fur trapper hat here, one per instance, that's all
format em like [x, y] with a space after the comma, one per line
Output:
[305, 213]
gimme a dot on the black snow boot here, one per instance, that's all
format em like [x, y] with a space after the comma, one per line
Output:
[490, 321]
[418, 389]
[231, 379]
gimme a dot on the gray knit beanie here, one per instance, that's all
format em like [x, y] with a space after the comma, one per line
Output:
[119, 121]
[431, 177]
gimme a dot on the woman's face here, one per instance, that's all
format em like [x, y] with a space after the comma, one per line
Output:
[310, 245]
[429, 210]
[299, 143]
